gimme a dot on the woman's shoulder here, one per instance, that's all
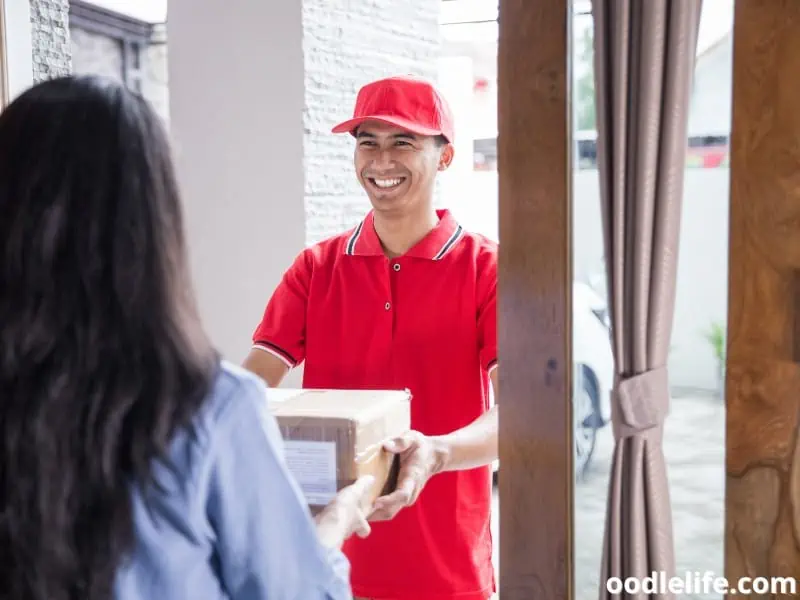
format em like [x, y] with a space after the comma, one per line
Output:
[235, 412]
[234, 391]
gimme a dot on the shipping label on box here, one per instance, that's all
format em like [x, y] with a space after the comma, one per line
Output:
[333, 437]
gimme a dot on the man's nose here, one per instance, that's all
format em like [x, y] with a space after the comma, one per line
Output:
[383, 161]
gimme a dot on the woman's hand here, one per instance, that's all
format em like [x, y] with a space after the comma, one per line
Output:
[346, 514]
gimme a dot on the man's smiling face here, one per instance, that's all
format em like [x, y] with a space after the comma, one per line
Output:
[397, 168]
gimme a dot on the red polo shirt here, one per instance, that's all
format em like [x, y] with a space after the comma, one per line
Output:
[425, 321]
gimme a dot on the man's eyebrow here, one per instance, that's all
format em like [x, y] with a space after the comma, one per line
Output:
[396, 136]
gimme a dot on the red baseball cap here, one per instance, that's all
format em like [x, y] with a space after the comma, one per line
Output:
[405, 101]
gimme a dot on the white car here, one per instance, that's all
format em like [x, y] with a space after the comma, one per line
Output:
[594, 372]
[593, 377]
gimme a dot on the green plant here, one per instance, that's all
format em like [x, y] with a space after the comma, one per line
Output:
[716, 337]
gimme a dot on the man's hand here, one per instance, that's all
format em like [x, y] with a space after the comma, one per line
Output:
[421, 457]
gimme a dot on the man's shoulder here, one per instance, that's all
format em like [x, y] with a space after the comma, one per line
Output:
[329, 248]
[483, 248]
[483, 242]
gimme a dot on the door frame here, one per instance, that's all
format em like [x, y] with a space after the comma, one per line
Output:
[534, 145]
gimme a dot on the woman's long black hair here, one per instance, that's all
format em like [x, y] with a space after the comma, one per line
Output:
[102, 356]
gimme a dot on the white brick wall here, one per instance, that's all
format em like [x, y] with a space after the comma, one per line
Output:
[50, 38]
[346, 44]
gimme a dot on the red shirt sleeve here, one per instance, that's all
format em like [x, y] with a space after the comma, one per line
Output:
[282, 330]
[487, 309]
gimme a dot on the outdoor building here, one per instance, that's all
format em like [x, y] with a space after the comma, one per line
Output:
[123, 47]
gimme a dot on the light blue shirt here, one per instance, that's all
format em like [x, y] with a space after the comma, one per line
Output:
[229, 522]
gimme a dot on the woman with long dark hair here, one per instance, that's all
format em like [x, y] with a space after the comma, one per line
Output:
[134, 463]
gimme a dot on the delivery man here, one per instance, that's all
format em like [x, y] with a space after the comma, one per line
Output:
[404, 300]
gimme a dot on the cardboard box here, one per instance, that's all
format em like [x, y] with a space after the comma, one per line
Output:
[333, 437]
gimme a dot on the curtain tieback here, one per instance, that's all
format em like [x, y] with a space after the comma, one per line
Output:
[640, 402]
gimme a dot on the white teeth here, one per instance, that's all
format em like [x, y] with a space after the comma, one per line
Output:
[387, 183]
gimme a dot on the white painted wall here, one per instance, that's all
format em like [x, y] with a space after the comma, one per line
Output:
[236, 105]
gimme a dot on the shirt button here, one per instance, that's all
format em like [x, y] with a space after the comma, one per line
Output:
[387, 306]
[396, 266]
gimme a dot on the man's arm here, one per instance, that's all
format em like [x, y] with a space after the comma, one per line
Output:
[422, 457]
[267, 366]
[279, 340]
[472, 446]
[476, 444]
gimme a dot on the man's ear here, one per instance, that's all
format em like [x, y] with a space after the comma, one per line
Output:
[446, 157]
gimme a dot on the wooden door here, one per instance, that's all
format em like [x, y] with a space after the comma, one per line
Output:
[762, 536]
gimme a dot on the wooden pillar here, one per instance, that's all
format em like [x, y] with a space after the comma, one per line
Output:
[762, 533]
[535, 174]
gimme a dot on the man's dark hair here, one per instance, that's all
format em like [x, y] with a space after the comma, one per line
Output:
[102, 357]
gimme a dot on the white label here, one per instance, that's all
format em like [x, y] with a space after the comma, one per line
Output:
[313, 465]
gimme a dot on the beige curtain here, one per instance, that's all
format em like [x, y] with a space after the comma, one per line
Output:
[644, 62]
